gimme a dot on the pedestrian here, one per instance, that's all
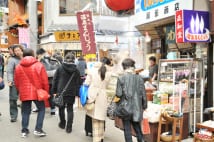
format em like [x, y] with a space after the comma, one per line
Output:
[1, 85]
[51, 65]
[82, 66]
[14, 60]
[130, 86]
[61, 78]
[30, 75]
[1, 64]
[97, 79]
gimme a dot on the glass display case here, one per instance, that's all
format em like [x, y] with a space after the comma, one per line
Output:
[183, 80]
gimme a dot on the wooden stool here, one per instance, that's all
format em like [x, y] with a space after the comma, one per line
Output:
[176, 122]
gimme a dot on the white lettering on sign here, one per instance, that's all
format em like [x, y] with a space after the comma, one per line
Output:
[86, 21]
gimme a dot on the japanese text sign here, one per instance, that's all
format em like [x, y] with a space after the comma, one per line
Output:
[147, 11]
[86, 30]
[67, 36]
[192, 26]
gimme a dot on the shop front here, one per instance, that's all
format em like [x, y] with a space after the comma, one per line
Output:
[182, 65]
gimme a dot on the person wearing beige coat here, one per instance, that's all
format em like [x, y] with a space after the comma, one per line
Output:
[97, 79]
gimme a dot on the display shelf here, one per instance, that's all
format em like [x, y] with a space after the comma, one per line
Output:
[188, 75]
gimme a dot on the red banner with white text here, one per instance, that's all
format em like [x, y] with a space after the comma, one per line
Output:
[86, 30]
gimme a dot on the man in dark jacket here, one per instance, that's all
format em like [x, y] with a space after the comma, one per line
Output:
[131, 87]
[51, 65]
[60, 80]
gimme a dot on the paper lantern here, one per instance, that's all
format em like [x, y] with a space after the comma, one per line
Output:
[118, 5]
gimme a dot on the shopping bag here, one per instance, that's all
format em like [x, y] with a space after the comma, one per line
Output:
[145, 126]
[83, 93]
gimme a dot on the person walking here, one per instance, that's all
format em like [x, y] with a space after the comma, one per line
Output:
[97, 79]
[30, 75]
[61, 78]
[2, 62]
[130, 86]
[82, 66]
[51, 65]
[13, 93]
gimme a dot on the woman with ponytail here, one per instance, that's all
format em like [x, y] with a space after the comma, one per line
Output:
[97, 79]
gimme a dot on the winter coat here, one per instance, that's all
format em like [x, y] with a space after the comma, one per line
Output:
[12, 63]
[97, 92]
[132, 85]
[62, 76]
[30, 75]
[81, 66]
[51, 66]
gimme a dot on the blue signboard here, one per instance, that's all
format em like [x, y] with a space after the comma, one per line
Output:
[149, 4]
[196, 26]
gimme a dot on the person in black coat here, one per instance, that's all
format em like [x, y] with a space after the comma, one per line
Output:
[130, 87]
[61, 78]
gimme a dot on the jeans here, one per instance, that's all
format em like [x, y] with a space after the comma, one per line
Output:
[26, 110]
[127, 130]
[13, 109]
[70, 113]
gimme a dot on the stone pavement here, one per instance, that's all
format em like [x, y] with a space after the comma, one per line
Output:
[10, 132]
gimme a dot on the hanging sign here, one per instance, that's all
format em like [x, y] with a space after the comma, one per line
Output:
[192, 26]
[24, 37]
[152, 10]
[87, 37]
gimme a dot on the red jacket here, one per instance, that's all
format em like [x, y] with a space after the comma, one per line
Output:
[30, 75]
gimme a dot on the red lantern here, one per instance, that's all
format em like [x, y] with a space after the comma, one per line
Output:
[117, 5]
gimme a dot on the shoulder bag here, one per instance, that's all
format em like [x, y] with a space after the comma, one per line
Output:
[58, 99]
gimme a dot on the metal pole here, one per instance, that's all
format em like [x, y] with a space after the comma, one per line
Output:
[33, 21]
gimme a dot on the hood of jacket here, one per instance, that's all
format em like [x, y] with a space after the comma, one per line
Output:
[28, 61]
[69, 67]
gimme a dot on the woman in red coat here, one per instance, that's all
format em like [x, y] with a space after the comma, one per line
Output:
[30, 75]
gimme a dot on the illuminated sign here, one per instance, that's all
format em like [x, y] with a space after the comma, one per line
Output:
[67, 36]
[192, 26]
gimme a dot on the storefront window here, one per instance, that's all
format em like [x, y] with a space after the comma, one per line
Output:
[70, 7]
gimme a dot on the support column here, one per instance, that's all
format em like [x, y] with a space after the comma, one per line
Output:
[33, 22]
[210, 74]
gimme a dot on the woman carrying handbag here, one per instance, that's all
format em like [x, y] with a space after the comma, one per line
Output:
[97, 79]
[67, 75]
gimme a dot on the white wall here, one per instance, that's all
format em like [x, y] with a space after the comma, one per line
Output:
[51, 15]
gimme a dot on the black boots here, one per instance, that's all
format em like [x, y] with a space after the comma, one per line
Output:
[68, 129]
[62, 124]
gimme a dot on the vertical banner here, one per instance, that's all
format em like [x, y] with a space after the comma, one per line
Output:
[86, 30]
[179, 26]
[24, 37]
